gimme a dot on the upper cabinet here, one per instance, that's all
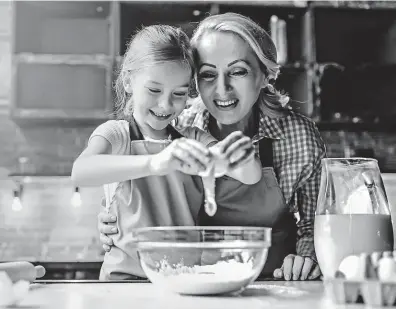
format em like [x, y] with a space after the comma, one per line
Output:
[355, 52]
[63, 60]
[338, 58]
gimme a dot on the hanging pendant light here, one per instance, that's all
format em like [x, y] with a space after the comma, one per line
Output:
[76, 198]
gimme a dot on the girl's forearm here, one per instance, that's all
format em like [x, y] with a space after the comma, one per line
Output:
[249, 173]
[101, 169]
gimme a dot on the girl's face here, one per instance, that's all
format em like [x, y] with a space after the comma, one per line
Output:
[229, 76]
[159, 94]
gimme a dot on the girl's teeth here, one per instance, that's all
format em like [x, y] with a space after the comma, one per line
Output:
[226, 103]
[161, 115]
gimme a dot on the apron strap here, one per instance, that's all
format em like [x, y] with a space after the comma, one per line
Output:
[134, 132]
[266, 152]
[174, 133]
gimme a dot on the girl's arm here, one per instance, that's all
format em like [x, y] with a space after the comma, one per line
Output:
[97, 166]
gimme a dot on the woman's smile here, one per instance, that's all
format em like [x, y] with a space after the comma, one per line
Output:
[226, 104]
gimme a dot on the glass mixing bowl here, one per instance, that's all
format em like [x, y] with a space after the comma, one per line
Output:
[202, 260]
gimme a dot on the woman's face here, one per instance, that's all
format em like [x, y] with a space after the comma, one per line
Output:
[229, 76]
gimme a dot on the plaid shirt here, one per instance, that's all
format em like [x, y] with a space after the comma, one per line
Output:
[297, 153]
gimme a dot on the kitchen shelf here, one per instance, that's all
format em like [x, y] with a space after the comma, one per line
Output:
[134, 15]
[363, 5]
[295, 25]
[48, 116]
[61, 27]
[355, 36]
[60, 90]
[365, 91]
[356, 127]
[69, 59]
[63, 61]
[85, 41]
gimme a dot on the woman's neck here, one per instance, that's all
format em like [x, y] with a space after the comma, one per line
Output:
[248, 126]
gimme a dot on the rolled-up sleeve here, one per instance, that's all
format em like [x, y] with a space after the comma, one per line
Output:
[306, 199]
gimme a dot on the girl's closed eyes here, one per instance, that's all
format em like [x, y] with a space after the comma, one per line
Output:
[176, 93]
[180, 93]
[152, 90]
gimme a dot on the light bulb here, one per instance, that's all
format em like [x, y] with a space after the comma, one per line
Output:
[76, 198]
[16, 204]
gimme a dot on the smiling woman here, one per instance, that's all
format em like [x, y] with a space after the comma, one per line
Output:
[237, 67]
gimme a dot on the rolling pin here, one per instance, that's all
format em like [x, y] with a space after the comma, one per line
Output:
[22, 271]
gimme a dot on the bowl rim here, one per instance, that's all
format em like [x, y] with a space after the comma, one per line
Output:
[226, 243]
[266, 230]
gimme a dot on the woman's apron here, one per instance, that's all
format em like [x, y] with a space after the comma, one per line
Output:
[171, 200]
[261, 204]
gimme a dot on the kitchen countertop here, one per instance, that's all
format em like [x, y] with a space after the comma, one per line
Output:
[98, 295]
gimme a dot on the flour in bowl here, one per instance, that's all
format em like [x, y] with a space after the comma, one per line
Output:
[222, 277]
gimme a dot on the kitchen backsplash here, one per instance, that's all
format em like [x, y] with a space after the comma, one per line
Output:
[51, 149]
[52, 223]
[53, 226]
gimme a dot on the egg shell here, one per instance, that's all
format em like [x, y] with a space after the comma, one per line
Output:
[6, 291]
[10, 293]
[351, 268]
[387, 269]
[375, 257]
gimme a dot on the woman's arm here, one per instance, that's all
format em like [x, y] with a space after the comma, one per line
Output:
[239, 153]
[246, 168]
[306, 203]
[248, 173]
[97, 166]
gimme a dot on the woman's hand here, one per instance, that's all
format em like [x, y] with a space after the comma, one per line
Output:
[232, 152]
[297, 267]
[186, 155]
[106, 227]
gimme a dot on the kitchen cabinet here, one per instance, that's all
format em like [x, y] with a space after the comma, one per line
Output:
[339, 63]
[63, 59]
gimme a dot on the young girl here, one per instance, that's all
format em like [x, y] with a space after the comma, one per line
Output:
[148, 168]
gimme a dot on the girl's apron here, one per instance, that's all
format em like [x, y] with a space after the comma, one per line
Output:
[170, 200]
[261, 204]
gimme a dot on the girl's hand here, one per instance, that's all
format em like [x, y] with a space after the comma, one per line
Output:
[233, 151]
[186, 155]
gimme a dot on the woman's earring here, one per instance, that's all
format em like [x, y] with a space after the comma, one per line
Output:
[271, 88]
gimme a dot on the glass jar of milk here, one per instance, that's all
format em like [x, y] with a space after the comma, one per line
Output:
[352, 214]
